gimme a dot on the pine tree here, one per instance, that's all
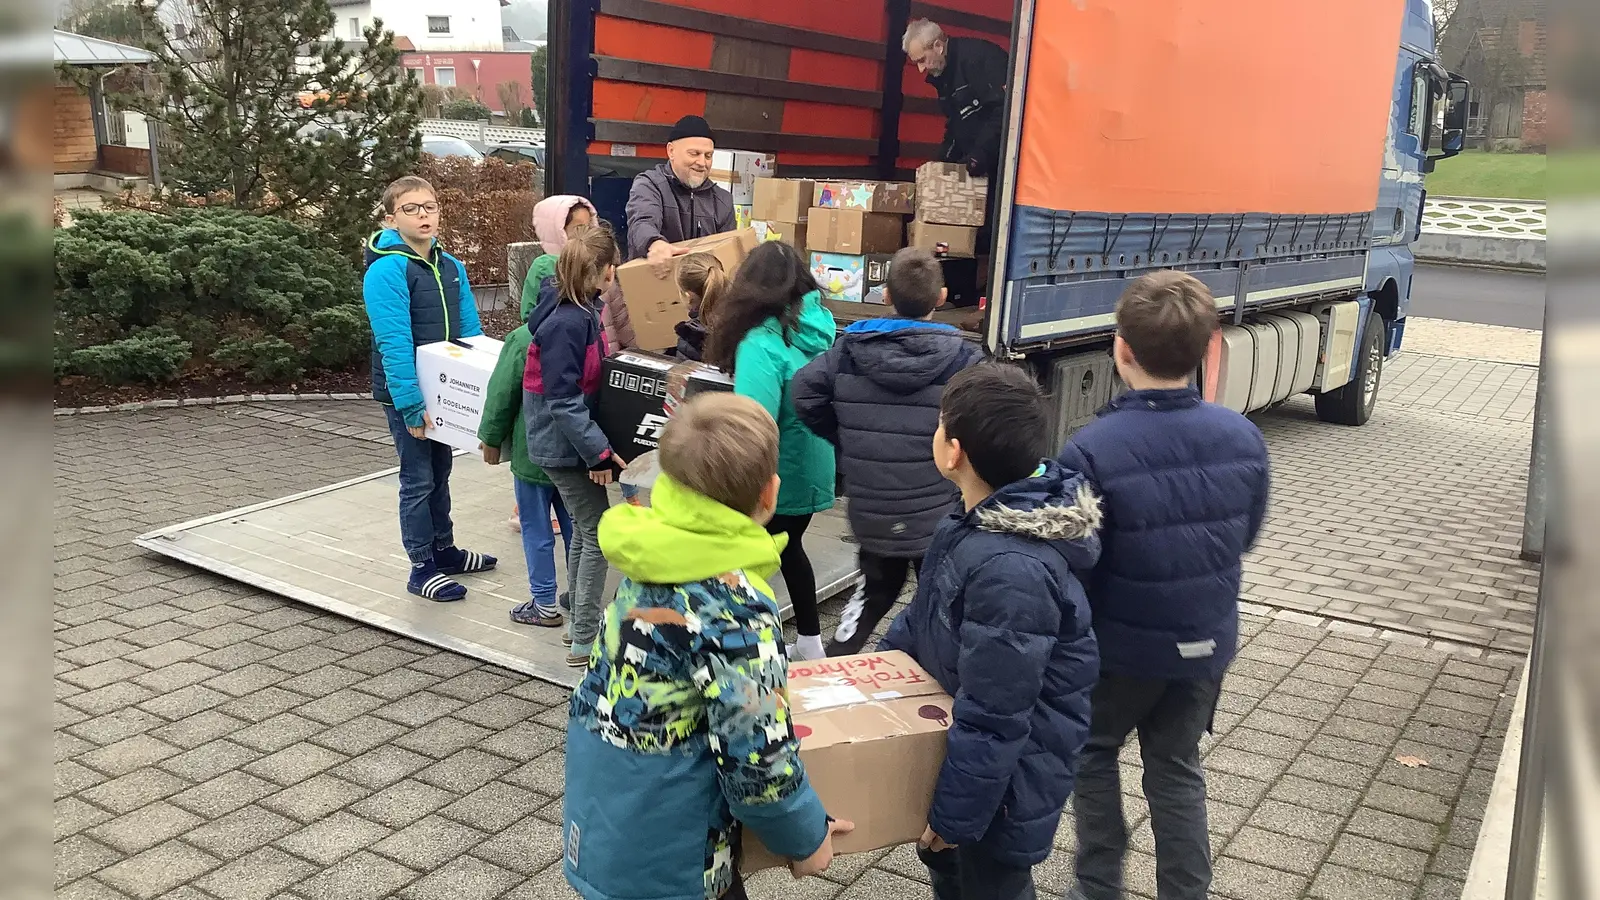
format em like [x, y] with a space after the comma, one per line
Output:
[261, 113]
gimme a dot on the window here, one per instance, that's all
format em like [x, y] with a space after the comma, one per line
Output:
[1421, 93]
[444, 76]
[416, 72]
[438, 24]
[355, 29]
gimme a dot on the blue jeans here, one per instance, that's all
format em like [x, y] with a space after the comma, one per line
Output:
[535, 502]
[424, 491]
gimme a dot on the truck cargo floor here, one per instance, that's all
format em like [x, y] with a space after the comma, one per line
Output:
[338, 548]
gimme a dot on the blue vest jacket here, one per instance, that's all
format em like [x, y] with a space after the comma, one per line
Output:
[1184, 486]
[412, 301]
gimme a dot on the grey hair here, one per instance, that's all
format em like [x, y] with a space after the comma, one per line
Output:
[925, 30]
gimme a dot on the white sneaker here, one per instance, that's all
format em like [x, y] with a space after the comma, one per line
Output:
[807, 649]
[851, 617]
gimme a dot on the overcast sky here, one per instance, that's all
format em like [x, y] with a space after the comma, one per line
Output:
[528, 18]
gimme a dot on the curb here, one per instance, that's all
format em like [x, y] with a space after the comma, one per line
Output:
[181, 402]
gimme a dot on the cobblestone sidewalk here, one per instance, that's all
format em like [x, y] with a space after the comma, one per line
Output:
[216, 741]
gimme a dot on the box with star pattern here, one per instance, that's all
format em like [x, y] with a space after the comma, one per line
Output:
[899, 197]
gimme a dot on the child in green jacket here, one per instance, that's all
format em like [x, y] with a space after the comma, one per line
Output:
[536, 496]
[770, 324]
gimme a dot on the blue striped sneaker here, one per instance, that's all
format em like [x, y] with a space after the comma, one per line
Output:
[431, 584]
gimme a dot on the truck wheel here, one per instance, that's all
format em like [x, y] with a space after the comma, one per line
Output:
[1353, 403]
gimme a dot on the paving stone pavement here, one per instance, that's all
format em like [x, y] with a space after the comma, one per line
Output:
[216, 741]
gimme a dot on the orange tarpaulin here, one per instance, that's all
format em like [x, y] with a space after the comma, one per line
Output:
[1208, 106]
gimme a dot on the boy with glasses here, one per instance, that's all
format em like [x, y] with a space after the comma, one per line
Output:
[417, 294]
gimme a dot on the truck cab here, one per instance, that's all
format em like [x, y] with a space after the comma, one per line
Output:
[1426, 122]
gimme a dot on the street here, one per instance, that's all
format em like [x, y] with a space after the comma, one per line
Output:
[1480, 296]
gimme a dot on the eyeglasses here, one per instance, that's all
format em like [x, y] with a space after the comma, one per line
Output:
[417, 209]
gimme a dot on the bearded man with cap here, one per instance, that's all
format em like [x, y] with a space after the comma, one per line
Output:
[677, 201]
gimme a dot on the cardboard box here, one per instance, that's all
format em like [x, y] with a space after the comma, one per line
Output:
[947, 195]
[741, 217]
[854, 279]
[791, 233]
[961, 241]
[783, 199]
[635, 390]
[454, 377]
[868, 196]
[655, 306]
[737, 170]
[872, 737]
[853, 231]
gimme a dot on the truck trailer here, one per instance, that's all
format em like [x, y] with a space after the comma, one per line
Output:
[1276, 151]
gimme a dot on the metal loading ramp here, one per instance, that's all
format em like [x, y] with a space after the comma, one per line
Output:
[338, 548]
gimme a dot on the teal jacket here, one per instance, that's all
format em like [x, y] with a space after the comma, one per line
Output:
[763, 367]
[680, 730]
[502, 404]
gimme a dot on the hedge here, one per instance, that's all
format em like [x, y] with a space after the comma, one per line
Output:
[484, 207]
[146, 297]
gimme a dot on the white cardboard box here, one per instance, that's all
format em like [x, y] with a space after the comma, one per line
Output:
[737, 170]
[454, 378]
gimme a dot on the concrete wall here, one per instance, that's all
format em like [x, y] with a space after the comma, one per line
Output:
[1480, 250]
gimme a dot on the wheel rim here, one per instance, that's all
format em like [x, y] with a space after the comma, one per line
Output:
[1369, 382]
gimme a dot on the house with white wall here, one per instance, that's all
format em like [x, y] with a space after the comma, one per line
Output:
[432, 26]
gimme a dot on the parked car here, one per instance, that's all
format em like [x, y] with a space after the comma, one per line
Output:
[443, 145]
[519, 151]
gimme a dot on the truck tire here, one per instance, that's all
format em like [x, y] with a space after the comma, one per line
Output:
[1353, 403]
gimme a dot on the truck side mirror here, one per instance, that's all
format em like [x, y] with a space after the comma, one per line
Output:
[1458, 94]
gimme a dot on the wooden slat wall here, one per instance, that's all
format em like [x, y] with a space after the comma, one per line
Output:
[73, 131]
[801, 80]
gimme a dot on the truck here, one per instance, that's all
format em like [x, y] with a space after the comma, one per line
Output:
[1276, 151]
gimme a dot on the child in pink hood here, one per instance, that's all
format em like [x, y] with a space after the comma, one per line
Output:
[554, 218]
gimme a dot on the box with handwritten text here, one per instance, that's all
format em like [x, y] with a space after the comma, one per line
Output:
[872, 732]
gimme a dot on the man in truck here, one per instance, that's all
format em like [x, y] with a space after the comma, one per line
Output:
[969, 75]
[677, 200]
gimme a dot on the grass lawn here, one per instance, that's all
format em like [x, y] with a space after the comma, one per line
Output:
[1475, 173]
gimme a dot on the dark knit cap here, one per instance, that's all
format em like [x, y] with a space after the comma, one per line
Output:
[691, 127]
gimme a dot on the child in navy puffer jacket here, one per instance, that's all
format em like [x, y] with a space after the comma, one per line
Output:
[1001, 622]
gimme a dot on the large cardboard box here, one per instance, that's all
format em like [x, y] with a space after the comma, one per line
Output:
[791, 233]
[869, 196]
[959, 241]
[737, 170]
[783, 199]
[853, 231]
[655, 306]
[947, 195]
[454, 377]
[872, 735]
[635, 391]
[854, 279]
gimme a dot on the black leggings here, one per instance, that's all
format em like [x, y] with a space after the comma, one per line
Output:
[798, 576]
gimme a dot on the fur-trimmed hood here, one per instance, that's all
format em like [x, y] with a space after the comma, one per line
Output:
[1054, 505]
